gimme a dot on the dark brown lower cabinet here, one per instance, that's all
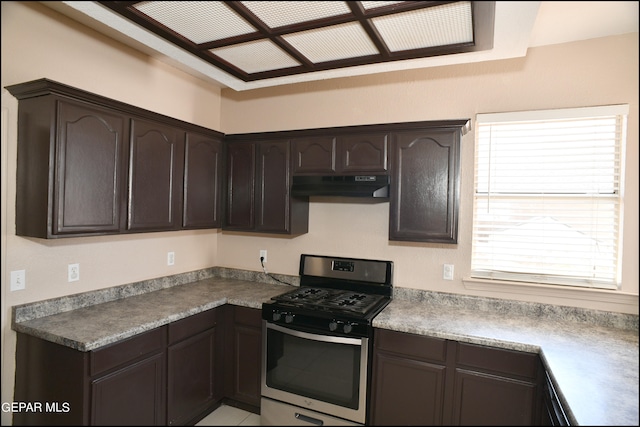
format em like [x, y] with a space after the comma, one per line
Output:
[194, 360]
[132, 395]
[120, 384]
[171, 375]
[421, 380]
[496, 387]
[408, 379]
[244, 357]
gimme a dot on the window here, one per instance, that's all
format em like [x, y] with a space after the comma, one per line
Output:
[548, 196]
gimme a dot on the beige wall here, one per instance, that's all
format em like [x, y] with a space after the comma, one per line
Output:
[596, 72]
[38, 42]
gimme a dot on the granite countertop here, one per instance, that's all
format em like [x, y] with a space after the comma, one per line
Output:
[594, 365]
[91, 327]
[594, 368]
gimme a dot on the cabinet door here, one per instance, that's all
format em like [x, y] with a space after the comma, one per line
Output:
[156, 175]
[314, 155]
[364, 153]
[247, 350]
[408, 392]
[202, 180]
[241, 166]
[494, 386]
[90, 170]
[408, 379]
[272, 187]
[485, 399]
[133, 395]
[425, 186]
[192, 382]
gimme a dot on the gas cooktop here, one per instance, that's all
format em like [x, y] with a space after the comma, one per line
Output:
[330, 299]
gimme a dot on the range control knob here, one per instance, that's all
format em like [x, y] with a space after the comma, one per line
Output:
[288, 318]
[276, 316]
[348, 327]
[333, 325]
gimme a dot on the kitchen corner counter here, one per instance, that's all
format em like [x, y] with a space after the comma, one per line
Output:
[93, 326]
[593, 367]
[592, 357]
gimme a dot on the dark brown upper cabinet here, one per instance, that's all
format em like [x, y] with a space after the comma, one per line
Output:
[425, 184]
[258, 188]
[89, 165]
[203, 168]
[72, 168]
[314, 155]
[156, 166]
[241, 177]
[364, 153]
[348, 154]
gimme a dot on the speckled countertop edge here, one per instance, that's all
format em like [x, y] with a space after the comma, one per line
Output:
[570, 341]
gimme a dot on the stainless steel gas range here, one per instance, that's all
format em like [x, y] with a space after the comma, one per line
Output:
[317, 342]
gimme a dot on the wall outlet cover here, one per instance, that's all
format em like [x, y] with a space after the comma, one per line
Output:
[74, 272]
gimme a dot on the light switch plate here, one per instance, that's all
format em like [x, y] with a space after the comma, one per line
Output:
[18, 280]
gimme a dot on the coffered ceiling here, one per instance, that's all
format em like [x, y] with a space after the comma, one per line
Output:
[257, 40]
[251, 44]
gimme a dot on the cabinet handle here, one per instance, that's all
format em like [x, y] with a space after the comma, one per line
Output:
[309, 419]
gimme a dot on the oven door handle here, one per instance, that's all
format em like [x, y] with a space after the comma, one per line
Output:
[316, 337]
[309, 419]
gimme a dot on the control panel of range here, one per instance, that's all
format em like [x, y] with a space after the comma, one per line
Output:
[320, 324]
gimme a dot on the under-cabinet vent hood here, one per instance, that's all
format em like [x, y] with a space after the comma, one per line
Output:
[376, 186]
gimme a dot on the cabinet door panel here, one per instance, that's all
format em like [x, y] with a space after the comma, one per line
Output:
[248, 346]
[407, 392]
[90, 169]
[314, 155]
[130, 396]
[241, 160]
[202, 176]
[192, 382]
[273, 187]
[484, 399]
[424, 202]
[364, 153]
[156, 167]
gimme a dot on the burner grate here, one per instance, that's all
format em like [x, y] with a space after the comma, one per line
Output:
[315, 299]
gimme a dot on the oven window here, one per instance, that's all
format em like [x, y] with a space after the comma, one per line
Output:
[325, 371]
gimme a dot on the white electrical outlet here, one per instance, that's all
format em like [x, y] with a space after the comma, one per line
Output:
[74, 272]
[263, 255]
[18, 280]
[447, 272]
[171, 258]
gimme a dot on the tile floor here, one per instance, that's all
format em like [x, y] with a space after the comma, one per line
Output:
[230, 416]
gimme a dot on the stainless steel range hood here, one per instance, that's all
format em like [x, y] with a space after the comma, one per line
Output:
[373, 186]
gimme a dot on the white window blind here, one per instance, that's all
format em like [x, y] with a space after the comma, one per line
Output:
[548, 196]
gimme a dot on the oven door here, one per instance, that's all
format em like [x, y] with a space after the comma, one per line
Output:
[319, 372]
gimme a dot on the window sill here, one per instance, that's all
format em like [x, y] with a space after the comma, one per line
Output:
[627, 303]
